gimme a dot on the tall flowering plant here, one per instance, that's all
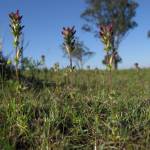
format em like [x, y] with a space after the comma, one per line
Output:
[16, 29]
[69, 41]
[106, 35]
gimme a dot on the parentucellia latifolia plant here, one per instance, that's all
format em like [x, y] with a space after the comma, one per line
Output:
[16, 29]
[106, 34]
[69, 41]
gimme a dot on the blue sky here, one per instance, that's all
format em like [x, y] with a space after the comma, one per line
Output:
[44, 19]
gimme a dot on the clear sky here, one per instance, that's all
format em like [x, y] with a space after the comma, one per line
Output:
[44, 19]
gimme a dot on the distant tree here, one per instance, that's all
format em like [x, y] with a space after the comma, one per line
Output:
[148, 34]
[31, 64]
[56, 67]
[137, 66]
[81, 53]
[119, 13]
[88, 67]
[42, 60]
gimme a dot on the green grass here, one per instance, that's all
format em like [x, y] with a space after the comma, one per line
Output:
[84, 109]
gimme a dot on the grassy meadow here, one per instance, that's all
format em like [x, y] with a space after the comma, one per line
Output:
[72, 108]
[79, 110]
